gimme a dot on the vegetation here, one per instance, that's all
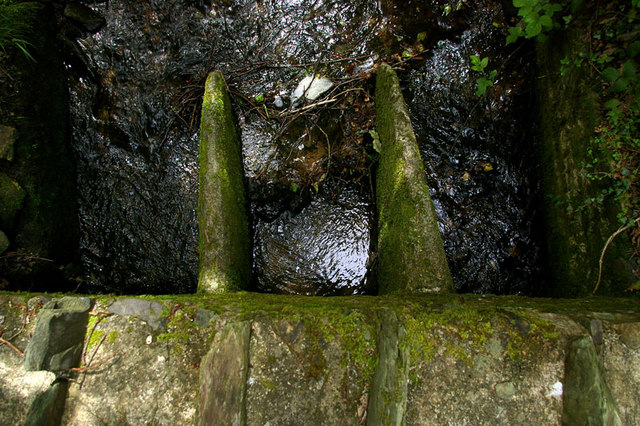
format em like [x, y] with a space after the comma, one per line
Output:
[16, 25]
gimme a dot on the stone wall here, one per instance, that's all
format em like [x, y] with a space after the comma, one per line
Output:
[568, 112]
[258, 359]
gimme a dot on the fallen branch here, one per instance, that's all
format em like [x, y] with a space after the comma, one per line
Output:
[606, 246]
[6, 342]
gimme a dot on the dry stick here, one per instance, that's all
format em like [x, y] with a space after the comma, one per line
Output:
[6, 342]
[609, 241]
[92, 367]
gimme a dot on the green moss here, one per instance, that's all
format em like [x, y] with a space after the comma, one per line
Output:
[180, 326]
[268, 384]
[94, 338]
[112, 336]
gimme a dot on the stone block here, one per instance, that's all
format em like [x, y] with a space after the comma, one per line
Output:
[58, 336]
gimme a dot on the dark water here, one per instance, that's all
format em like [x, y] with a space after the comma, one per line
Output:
[135, 118]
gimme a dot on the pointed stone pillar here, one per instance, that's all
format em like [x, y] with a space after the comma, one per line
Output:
[225, 249]
[411, 255]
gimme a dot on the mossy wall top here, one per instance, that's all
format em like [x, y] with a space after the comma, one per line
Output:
[411, 255]
[225, 249]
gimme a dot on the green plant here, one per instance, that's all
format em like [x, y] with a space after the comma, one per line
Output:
[537, 17]
[479, 65]
[16, 25]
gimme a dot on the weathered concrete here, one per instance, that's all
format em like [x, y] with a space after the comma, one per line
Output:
[461, 359]
[223, 377]
[388, 397]
[568, 112]
[225, 248]
[410, 251]
[587, 400]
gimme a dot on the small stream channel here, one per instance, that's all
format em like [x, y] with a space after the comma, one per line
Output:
[135, 93]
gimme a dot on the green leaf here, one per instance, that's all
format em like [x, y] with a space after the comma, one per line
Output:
[629, 69]
[483, 84]
[514, 33]
[546, 22]
[524, 3]
[612, 103]
[533, 29]
[634, 49]
[484, 62]
[620, 85]
[475, 59]
[610, 74]
[635, 286]
[376, 140]
[294, 187]
[421, 36]
[260, 98]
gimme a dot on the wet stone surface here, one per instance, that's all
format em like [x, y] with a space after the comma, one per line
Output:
[479, 157]
[136, 86]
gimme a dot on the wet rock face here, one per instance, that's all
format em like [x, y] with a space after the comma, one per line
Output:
[479, 156]
[135, 119]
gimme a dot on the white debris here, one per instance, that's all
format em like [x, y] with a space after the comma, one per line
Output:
[149, 339]
[311, 87]
[277, 102]
[556, 390]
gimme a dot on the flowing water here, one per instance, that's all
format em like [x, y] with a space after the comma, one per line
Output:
[135, 88]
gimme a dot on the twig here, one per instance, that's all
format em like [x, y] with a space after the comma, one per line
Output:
[92, 367]
[606, 246]
[6, 342]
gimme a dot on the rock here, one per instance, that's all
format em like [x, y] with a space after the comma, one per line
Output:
[587, 398]
[505, 390]
[58, 336]
[150, 311]
[7, 140]
[225, 245]
[11, 199]
[4, 242]
[311, 87]
[388, 397]
[629, 334]
[223, 377]
[136, 382]
[410, 251]
[48, 407]
[88, 19]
